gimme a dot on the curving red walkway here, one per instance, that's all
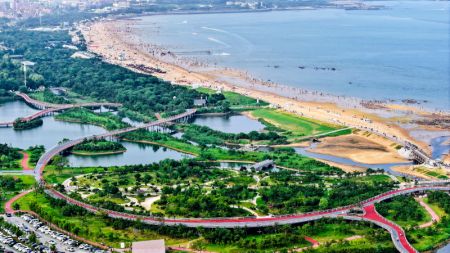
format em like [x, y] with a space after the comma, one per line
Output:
[373, 215]
[25, 160]
[312, 241]
[9, 204]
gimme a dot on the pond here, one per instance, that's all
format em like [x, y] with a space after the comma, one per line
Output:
[136, 154]
[229, 124]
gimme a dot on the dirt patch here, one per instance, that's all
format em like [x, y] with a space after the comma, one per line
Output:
[344, 167]
[434, 122]
[359, 148]
[446, 159]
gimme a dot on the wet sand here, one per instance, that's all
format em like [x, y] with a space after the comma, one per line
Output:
[344, 167]
[360, 148]
[115, 42]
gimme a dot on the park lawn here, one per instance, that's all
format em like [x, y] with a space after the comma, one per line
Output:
[296, 125]
[94, 227]
[77, 98]
[235, 99]
[439, 211]
[27, 183]
[54, 176]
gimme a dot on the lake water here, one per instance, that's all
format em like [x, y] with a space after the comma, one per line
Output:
[229, 124]
[135, 154]
[445, 249]
[52, 131]
[400, 52]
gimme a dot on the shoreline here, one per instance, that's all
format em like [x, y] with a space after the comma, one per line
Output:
[118, 44]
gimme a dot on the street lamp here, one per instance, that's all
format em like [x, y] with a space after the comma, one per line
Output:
[26, 64]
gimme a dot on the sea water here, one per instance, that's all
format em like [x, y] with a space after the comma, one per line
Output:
[399, 52]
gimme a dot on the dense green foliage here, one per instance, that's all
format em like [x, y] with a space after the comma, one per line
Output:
[205, 135]
[349, 191]
[10, 183]
[96, 146]
[441, 199]
[8, 157]
[35, 153]
[11, 186]
[195, 202]
[402, 208]
[22, 125]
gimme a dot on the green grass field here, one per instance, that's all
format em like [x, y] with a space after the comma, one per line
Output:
[235, 99]
[296, 125]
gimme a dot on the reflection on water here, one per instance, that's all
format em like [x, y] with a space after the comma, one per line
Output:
[230, 123]
[12, 110]
[49, 134]
[445, 249]
[440, 146]
[136, 154]
[52, 131]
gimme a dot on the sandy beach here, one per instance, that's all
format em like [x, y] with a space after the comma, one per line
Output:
[359, 148]
[115, 42]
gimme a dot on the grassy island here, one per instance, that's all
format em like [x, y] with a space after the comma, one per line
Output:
[106, 120]
[98, 147]
[23, 125]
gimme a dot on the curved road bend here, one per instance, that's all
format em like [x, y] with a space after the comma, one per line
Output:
[397, 233]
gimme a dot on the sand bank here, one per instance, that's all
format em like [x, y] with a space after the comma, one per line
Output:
[369, 149]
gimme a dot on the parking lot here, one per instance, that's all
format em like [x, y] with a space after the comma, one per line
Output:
[45, 239]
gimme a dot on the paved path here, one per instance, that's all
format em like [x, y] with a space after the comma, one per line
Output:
[25, 160]
[433, 214]
[9, 205]
[397, 233]
[312, 241]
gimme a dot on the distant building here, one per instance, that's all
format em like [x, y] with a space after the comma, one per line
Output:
[200, 102]
[154, 246]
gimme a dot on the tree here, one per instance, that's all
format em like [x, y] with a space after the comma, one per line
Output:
[16, 206]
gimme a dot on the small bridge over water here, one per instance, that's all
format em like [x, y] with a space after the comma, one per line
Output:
[43, 161]
[50, 109]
